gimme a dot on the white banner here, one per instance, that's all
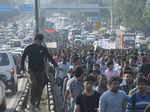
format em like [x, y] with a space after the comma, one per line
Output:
[52, 45]
[109, 44]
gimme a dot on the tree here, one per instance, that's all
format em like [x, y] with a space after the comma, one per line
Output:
[146, 21]
[131, 13]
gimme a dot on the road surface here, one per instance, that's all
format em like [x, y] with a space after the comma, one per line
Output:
[13, 100]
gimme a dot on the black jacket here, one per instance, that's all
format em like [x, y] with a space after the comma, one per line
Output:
[36, 56]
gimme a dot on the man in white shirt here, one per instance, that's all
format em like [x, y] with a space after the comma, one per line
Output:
[110, 71]
[113, 100]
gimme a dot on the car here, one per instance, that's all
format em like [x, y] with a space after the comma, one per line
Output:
[17, 60]
[2, 93]
[8, 68]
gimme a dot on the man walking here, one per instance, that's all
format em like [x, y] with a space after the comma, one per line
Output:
[36, 55]
[74, 87]
[113, 100]
[88, 100]
[141, 98]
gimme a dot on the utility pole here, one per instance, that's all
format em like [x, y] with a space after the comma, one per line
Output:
[111, 14]
[79, 9]
[37, 16]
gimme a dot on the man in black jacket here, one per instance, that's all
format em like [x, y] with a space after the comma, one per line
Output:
[36, 65]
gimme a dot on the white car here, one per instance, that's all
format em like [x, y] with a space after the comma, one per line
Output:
[8, 69]
[2, 95]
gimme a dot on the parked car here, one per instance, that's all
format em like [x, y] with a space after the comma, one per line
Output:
[8, 68]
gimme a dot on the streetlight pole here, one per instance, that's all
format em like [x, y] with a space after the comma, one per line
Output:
[111, 14]
[79, 9]
[37, 16]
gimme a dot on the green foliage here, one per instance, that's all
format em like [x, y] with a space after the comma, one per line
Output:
[131, 13]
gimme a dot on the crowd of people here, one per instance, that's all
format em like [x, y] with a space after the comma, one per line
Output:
[103, 80]
[93, 80]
